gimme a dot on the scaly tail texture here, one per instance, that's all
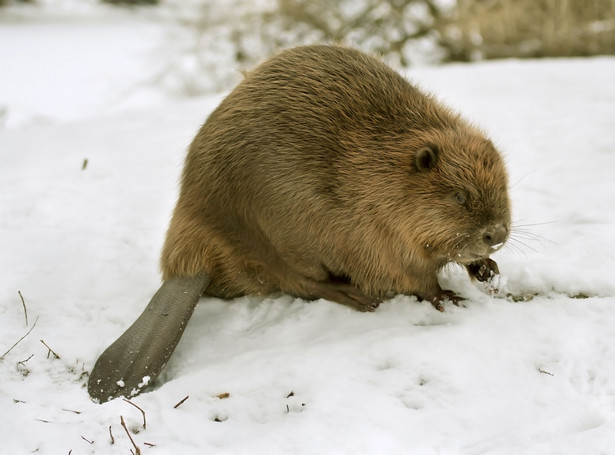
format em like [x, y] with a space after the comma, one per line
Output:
[136, 358]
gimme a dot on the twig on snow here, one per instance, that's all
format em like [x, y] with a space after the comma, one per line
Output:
[22, 368]
[24, 361]
[111, 434]
[20, 340]
[142, 412]
[181, 402]
[51, 351]
[137, 450]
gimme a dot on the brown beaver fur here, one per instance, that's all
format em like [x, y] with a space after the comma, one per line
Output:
[325, 174]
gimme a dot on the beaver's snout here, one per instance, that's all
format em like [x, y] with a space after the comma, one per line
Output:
[495, 235]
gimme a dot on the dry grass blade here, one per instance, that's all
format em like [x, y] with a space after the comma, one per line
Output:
[25, 310]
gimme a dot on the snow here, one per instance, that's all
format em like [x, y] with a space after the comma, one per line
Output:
[63, 68]
[529, 375]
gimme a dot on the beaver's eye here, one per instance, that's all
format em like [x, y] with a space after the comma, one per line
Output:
[461, 198]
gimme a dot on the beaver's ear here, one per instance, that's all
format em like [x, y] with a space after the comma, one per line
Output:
[425, 158]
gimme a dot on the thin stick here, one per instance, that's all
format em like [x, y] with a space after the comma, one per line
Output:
[137, 450]
[181, 402]
[25, 310]
[111, 434]
[23, 362]
[87, 440]
[51, 351]
[20, 340]
[142, 412]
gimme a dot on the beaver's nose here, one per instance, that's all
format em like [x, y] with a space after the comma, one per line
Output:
[495, 235]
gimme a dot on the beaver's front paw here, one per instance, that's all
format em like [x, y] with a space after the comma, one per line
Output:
[483, 269]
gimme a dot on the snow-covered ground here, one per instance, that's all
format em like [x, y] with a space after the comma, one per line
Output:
[497, 376]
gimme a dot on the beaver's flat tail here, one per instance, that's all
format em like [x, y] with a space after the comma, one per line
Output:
[136, 358]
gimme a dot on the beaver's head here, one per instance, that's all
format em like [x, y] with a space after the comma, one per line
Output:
[460, 190]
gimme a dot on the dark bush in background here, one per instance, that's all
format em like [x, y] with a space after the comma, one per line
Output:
[405, 32]
[488, 29]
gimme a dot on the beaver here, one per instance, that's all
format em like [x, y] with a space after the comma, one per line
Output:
[323, 174]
